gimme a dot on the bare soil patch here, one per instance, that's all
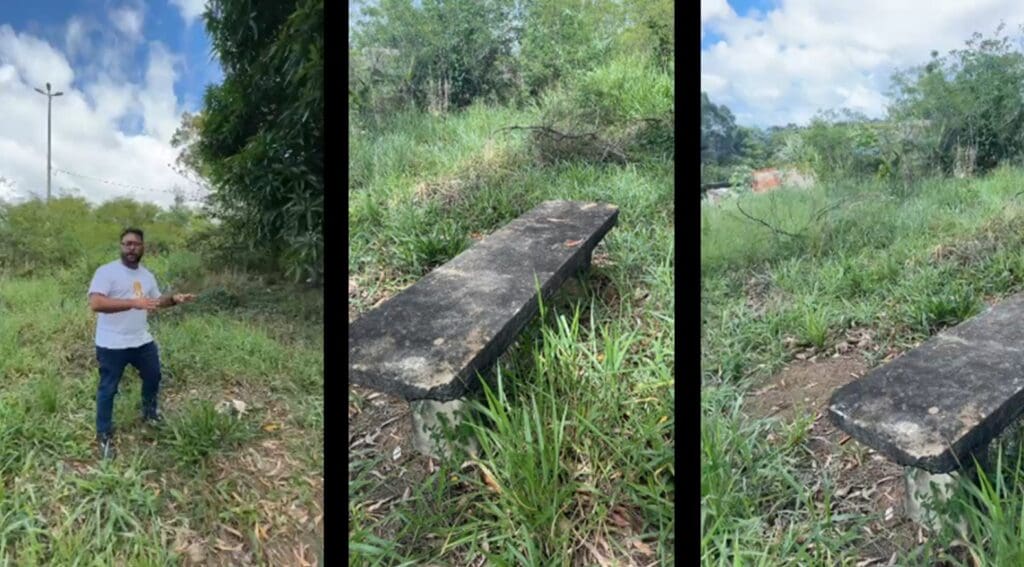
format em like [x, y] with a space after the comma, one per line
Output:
[866, 483]
[380, 433]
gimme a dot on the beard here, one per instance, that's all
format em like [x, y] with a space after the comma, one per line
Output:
[131, 258]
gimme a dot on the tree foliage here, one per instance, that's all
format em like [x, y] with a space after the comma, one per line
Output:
[444, 54]
[66, 231]
[261, 133]
[969, 104]
[436, 54]
[720, 137]
[562, 38]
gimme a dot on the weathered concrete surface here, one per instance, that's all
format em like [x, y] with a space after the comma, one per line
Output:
[429, 418]
[429, 341]
[925, 494]
[937, 405]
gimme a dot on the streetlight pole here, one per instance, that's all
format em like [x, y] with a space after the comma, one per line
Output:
[49, 113]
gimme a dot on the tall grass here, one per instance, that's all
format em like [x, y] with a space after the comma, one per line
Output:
[576, 434]
[185, 490]
[904, 264]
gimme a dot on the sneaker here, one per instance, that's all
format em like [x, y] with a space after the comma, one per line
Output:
[154, 419]
[106, 446]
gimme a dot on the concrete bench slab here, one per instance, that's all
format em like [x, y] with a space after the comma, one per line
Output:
[943, 402]
[429, 341]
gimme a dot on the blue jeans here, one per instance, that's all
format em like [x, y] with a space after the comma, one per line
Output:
[145, 359]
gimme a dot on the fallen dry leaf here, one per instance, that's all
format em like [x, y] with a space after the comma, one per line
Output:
[619, 518]
[642, 547]
[843, 491]
[573, 243]
[486, 474]
[271, 427]
[601, 559]
[489, 480]
[232, 531]
[223, 546]
[380, 503]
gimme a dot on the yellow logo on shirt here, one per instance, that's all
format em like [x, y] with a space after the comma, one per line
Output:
[137, 287]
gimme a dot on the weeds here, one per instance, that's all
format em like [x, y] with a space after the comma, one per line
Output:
[200, 430]
[904, 266]
[58, 504]
[576, 436]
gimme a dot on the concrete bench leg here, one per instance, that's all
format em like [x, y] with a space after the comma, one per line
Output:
[925, 490]
[585, 265]
[427, 419]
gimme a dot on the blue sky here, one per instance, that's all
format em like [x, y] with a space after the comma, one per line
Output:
[162, 21]
[745, 8]
[773, 62]
[129, 68]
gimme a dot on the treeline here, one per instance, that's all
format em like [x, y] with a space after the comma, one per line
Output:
[599, 73]
[39, 237]
[258, 140]
[443, 55]
[959, 114]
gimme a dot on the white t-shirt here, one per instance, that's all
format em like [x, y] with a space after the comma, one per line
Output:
[126, 329]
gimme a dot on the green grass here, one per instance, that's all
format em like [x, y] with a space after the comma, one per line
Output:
[903, 264]
[200, 484]
[577, 435]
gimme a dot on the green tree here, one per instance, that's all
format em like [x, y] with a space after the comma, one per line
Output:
[562, 38]
[969, 105]
[125, 212]
[177, 214]
[650, 30]
[261, 133]
[439, 54]
[720, 137]
[188, 163]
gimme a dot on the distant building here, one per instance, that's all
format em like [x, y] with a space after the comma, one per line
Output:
[716, 195]
[765, 180]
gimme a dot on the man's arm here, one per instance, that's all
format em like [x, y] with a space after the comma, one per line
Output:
[170, 300]
[103, 304]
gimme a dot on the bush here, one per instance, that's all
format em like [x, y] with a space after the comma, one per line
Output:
[68, 233]
[618, 112]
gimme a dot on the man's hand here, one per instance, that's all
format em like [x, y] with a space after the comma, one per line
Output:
[145, 303]
[180, 298]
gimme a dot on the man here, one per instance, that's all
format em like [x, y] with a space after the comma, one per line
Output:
[123, 293]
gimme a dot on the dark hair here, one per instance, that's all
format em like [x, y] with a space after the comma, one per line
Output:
[133, 231]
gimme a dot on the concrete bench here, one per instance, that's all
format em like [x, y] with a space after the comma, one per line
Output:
[429, 343]
[937, 408]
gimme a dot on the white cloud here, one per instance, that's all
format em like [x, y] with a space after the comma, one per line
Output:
[806, 55]
[190, 9]
[159, 105]
[88, 139]
[76, 38]
[35, 60]
[128, 21]
[714, 10]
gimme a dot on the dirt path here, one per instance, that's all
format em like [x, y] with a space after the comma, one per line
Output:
[866, 482]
